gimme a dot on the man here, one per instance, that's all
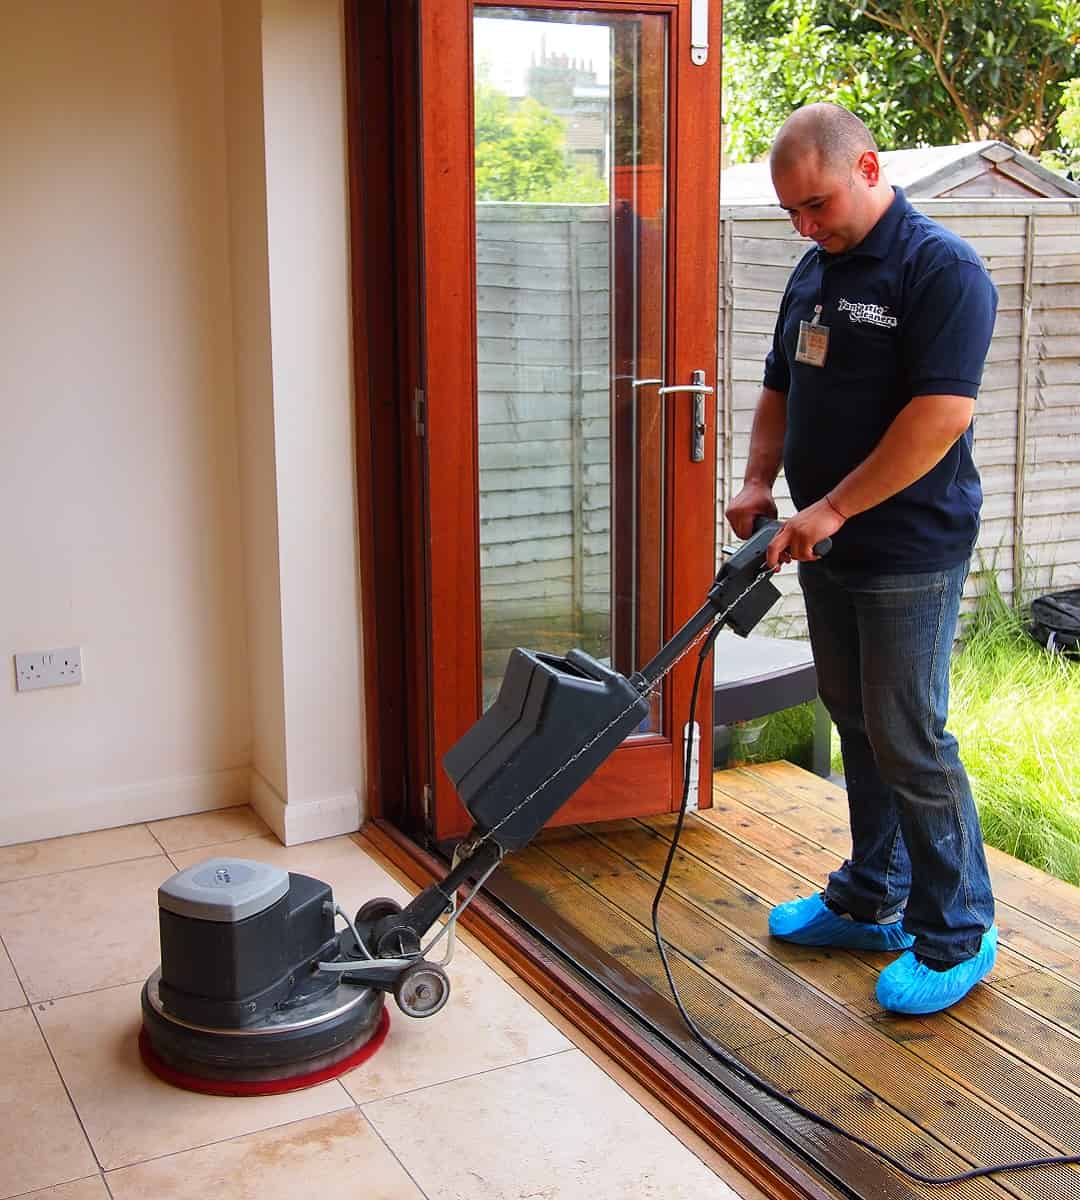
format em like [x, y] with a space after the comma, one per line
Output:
[868, 398]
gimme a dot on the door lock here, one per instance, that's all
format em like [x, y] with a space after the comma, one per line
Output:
[698, 389]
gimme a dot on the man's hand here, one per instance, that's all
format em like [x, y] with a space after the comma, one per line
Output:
[755, 500]
[798, 537]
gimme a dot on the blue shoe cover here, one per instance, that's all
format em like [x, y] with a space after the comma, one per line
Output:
[810, 922]
[909, 986]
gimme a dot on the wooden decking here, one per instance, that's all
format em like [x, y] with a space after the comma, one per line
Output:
[997, 1078]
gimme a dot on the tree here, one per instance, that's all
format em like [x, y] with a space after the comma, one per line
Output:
[782, 54]
[521, 154]
[919, 72]
[996, 60]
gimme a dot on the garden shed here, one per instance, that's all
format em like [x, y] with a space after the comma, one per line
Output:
[972, 169]
[1024, 220]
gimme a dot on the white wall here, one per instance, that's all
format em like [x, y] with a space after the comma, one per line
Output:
[178, 485]
[121, 528]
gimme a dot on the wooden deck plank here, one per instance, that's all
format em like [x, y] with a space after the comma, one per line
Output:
[1053, 997]
[1046, 1002]
[887, 1069]
[1019, 930]
[775, 882]
[1050, 900]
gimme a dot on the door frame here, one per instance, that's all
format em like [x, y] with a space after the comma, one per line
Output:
[412, 627]
[382, 135]
[448, 239]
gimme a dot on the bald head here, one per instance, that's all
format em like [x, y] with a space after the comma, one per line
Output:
[827, 176]
[828, 133]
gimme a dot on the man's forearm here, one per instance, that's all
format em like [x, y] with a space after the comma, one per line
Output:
[767, 438]
[916, 441]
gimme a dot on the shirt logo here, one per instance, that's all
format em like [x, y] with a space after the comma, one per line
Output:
[867, 314]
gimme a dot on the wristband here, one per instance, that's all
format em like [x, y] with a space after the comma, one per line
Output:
[829, 502]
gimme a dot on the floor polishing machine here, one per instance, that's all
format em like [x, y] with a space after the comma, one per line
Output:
[259, 990]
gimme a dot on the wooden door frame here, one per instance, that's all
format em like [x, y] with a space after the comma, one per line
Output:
[449, 238]
[381, 85]
[413, 631]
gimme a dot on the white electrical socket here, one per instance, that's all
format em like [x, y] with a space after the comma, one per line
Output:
[48, 668]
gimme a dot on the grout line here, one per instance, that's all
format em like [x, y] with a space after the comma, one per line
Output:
[67, 1091]
[231, 841]
[234, 1137]
[15, 972]
[146, 826]
[426, 1087]
[93, 991]
[51, 1187]
[112, 862]
[392, 1152]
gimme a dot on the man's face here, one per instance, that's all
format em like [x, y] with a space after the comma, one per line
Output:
[833, 207]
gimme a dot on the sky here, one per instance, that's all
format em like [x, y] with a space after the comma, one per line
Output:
[506, 47]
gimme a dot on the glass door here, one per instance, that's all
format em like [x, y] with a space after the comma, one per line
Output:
[570, 180]
[567, 507]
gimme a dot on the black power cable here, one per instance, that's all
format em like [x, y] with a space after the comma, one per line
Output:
[740, 1069]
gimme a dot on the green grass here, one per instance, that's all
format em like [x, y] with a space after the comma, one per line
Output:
[1015, 709]
[787, 734]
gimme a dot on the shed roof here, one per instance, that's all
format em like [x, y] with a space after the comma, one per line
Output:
[973, 169]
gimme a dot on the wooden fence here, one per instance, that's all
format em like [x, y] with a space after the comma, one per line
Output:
[1027, 426]
[544, 399]
[544, 395]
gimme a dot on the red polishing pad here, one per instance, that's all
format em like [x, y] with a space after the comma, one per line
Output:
[262, 1087]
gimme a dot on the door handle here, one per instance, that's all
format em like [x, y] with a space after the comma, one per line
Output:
[699, 390]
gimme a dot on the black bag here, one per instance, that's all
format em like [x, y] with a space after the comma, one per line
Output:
[1055, 621]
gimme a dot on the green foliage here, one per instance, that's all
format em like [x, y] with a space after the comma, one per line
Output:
[521, 154]
[918, 72]
[787, 734]
[1067, 157]
[1015, 710]
[803, 59]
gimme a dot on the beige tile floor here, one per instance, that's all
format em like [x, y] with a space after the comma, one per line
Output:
[495, 1097]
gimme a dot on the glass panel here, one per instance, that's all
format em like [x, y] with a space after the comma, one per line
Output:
[570, 238]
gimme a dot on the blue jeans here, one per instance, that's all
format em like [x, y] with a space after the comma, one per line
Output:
[881, 647]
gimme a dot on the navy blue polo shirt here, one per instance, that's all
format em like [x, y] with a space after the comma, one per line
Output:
[910, 312]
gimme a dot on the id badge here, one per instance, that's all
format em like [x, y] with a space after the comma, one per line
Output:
[813, 345]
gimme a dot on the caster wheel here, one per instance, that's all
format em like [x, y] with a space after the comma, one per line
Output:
[422, 989]
[375, 910]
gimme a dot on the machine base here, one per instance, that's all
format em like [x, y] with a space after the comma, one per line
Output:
[291, 1049]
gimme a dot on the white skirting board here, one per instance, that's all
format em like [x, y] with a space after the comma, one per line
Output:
[64, 813]
[80, 811]
[305, 820]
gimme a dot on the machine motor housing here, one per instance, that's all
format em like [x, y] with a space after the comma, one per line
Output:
[236, 935]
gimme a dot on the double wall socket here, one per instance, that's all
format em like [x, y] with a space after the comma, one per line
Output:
[48, 668]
